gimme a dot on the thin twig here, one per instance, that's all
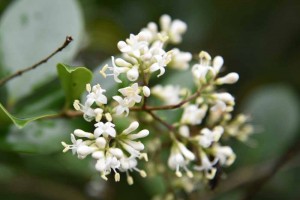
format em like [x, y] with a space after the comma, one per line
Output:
[68, 40]
[65, 114]
[157, 118]
[168, 107]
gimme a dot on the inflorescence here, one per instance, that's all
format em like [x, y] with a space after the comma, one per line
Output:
[195, 140]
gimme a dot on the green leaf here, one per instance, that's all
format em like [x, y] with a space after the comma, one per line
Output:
[73, 80]
[275, 112]
[6, 118]
[31, 31]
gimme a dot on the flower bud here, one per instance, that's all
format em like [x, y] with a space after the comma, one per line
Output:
[184, 131]
[101, 142]
[230, 78]
[132, 127]
[218, 63]
[81, 133]
[146, 91]
[133, 73]
[122, 63]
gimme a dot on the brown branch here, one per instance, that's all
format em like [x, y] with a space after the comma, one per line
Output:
[68, 40]
[168, 107]
[157, 118]
[65, 114]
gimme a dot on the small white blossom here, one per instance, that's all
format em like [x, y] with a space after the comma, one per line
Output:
[146, 91]
[217, 63]
[133, 45]
[193, 115]
[131, 93]
[88, 113]
[173, 29]
[116, 71]
[133, 73]
[161, 61]
[180, 60]
[207, 166]
[180, 157]
[79, 146]
[207, 137]
[105, 129]
[225, 97]
[224, 154]
[184, 131]
[230, 78]
[217, 111]
[96, 96]
[170, 94]
[123, 106]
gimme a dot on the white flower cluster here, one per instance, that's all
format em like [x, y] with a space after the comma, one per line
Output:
[196, 138]
[205, 120]
[114, 152]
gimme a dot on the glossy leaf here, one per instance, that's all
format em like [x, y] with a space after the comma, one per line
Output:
[73, 80]
[6, 118]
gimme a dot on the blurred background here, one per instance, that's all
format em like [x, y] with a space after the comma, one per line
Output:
[260, 40]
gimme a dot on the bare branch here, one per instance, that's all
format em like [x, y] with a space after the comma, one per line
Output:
[169, 107]
[157, 118]
[68, 40]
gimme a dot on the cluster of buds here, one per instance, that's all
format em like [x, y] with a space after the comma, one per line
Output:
[195, 145]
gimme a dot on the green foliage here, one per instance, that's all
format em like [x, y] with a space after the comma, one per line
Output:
[73, 81]
[274, 110]
[6, 118]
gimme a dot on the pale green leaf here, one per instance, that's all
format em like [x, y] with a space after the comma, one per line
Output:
[6, 118]
[73, 81]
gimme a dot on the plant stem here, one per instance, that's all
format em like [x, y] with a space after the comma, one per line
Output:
[168, 107]
[68, 40]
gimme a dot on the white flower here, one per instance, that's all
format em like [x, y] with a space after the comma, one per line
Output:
[106, 164]
[133, 45]
[81, 133]
[106, 129]
[79, 146]
[131, 93]
[96, 96]
[225, 97]
[217, 111]
[88, 113]
[123, 106]
[230, 78]
[170, 94]
[180, 60]
[146, 91]
[193, 115]
[224, 154]
[127, 140]
[116, 71]
[173, 29]
[184, 131]
[207, 166]
[160, 63]
[130, 164]
[133, 73]
[180, 157]
[206, 69]
[207, 136]
[217, 63]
